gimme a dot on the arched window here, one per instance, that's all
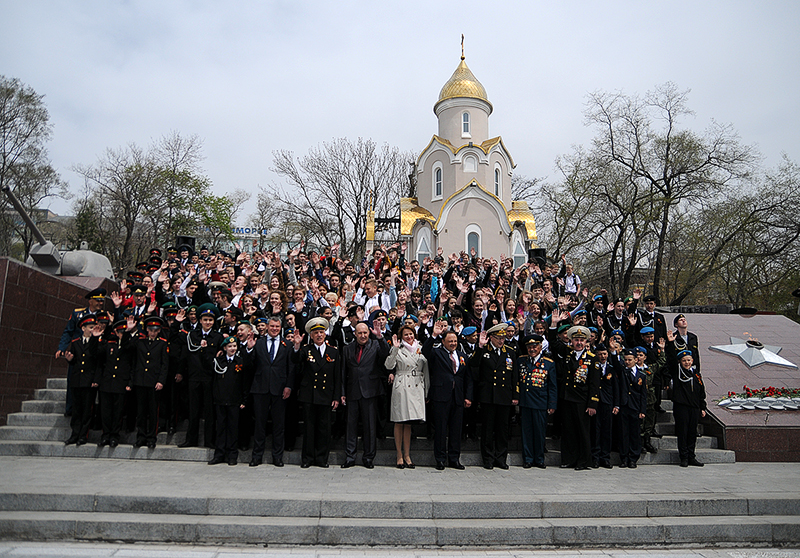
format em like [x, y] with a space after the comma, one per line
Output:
[498, 186]
[470, 164]
[465, 130]
[436, 193]
[473, 238]
[519, 253]
[423, 245]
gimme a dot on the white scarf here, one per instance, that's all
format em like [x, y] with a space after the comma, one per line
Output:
[413, 349]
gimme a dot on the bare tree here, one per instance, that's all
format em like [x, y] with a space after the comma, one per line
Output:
[331, 189]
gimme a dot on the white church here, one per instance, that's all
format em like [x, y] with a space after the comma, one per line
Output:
[464, 183]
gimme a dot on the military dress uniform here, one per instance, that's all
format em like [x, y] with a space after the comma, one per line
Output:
[581, 391]
[114, 379]
[319, 385]
[229, 391]
[84, 370]
[688, 400]
[199, 377]
[538, 392]
[632, 403]
[151, 368]
[603, 420]
[71, 330]
[495, 379]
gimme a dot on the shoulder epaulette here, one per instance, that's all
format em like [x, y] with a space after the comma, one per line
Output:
[590, 353]
[76, 339]
[79, 309]
[547, 359]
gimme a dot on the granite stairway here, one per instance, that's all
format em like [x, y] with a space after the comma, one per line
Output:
[41, 427]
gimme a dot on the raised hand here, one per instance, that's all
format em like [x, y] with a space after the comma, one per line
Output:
[180, 316]
[637, 294]
[130, 323]
[395, 341]
[483, 339]
[670, 335]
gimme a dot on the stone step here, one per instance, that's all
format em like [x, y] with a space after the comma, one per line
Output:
[36, 406]
[56, 383]
[38, 419]
[177, 528]
[50, 394]
[168, 452]
[668, 429]
[414, 506]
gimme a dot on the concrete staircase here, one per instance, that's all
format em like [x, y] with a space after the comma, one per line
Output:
[40, 429]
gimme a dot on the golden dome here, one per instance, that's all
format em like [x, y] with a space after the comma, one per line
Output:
[521, 212]
[463, 83]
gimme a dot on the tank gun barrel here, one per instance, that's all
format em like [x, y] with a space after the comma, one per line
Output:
[25, 217]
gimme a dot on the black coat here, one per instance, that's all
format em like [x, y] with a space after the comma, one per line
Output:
[272, 376]
[152, 361]
[85, 362]
[319, 379]
[445, 384]
[117, 357]
[609, 381]
[633, 391]
[199, 360]
[228, 386]
[494, 376]
[581, 379]
[367, 378]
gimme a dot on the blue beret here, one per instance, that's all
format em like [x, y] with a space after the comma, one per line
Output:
[640, 349]
[469, 330]
[618, 332]
[647, 330]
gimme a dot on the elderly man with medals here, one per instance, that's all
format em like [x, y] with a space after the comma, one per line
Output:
[538, 394]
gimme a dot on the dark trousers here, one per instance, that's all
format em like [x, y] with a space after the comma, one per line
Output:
[601, 447]
[534, 430]
[68, 407]
[267, 406]
[649, 423]
[82, 402]
[494, 433]
[111, 408]
[367, 409]
[227, 432]
[246, 424]
[447, 420]
[200, 404]
[630, 442]
[317, 434]
[575, 443]
[146, 414]
[686, 419]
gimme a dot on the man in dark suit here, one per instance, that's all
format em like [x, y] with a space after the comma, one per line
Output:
[450, 393]
[319, 389]
[272, 385]
[493, 372]
[363, 379]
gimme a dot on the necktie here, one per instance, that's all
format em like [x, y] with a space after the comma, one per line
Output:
[272, 348]
[455, 362]
[358, 356]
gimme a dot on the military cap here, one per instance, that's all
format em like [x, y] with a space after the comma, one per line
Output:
[578, 332]
[120, 324]
[191, 308]
[139, 290]
[154, 321]
[640, 349]
[135, 275]
[152, 267]
[207, 309]
[597, 297]
[578, 313]
[156, 260]
[217, 285]
[89, 319]
[628, 352]
[646, 330]
[102, 318]
[676, 318]
[235, 311]
[185, 247]
[377, 314]
[649, 298]
[534, 339]
[288, 331]
[228, 341]
[593, 329]
[563, 328]
[600, 347]
[141, 266]
[171, 250]
[618, 332]
[469, 330]
[316, 324]
[97, 294]
[261, 321]
[155, 252]
[684, 353]
[413, 318]
[353, 310]
[499, 330]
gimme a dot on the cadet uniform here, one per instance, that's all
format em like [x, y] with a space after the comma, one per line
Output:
[114, 380]
[84, 362]
[632, 404]
[688, 401]
[609, 398]
[229, 391]
[150, 370]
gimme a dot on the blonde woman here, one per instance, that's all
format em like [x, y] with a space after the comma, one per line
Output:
[410, 383]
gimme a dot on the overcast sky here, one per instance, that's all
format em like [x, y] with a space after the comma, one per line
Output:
[253, 77]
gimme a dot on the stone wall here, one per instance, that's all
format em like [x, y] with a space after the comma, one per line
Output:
[34, 308]
[754, 443]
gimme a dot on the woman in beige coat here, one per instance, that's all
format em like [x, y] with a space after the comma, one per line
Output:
[410, 383]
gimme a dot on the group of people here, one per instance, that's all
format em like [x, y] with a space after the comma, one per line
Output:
[247, 340]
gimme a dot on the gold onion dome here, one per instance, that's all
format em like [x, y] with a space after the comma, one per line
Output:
[463, 83]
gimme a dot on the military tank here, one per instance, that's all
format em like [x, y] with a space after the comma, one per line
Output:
[68, 263]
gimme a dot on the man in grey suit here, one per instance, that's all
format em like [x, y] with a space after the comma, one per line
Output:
[272, 384]
[363, 379]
